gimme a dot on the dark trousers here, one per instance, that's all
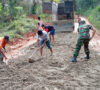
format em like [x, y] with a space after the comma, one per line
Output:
[81, 42]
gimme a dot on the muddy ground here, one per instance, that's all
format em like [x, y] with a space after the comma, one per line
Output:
[52, 72]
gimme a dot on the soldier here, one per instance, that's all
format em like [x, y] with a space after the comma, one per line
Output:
[84, 38]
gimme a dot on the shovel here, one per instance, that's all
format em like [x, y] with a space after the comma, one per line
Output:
[30, 58]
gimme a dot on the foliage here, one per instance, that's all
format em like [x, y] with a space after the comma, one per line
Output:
[0, 7]
[90, 9]
[46, 18]
[34, 9]
[18, 27]
[84, 5]
[13, 17]
[94, 17]
[57, 1]
[98, 8]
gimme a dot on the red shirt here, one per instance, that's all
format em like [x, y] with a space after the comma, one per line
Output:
[46, 30]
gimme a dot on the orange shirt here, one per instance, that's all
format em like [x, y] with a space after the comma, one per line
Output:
[2, 43]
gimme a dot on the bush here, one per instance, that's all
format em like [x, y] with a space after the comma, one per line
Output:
[19, 10]
[18, 27]
[34, 9]
[0, 7]
[98, 8]
[46, 18]
[94, 17]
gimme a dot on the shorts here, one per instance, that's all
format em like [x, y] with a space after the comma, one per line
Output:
[52, 32]
[47, 43]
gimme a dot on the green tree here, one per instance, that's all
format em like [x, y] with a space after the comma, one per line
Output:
[57, 1]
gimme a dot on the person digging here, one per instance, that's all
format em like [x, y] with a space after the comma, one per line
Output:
[83, 39]
[43, 38]
[3, 41]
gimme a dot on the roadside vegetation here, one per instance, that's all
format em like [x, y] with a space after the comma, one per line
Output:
[90, 9]
[15, 17]
[18, 27]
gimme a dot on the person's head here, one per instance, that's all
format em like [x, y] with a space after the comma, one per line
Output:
[43, 26]
[39, 18]
[82, 22]
[6, 38]
[40, 33]
[79, 19]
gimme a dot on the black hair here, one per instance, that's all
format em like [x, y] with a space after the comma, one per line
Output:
[43, 25]
[82, 22]
[39, 18]
[38, 24]
[6, 37]
[39, 32]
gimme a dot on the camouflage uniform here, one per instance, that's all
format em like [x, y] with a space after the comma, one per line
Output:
[83, 39]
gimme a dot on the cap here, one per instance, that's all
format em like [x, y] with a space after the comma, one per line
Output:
[7, 38]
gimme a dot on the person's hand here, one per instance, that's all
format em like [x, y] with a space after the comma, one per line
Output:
[5, 50]
[91, 38]
[5, 58]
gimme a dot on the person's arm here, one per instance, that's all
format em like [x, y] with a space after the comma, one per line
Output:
[93, 33]
[3, 54]
[78, 29]
[37, 43]
[5, 49]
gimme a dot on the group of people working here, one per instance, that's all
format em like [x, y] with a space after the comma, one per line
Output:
[44, 34]
[83, 39]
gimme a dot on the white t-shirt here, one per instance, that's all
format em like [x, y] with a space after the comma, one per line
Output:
[45, 36]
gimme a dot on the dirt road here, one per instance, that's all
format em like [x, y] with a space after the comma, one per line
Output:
[52, 72]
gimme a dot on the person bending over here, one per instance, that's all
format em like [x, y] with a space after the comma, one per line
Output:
[3, 41]
[43, 38]
[51, 31]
